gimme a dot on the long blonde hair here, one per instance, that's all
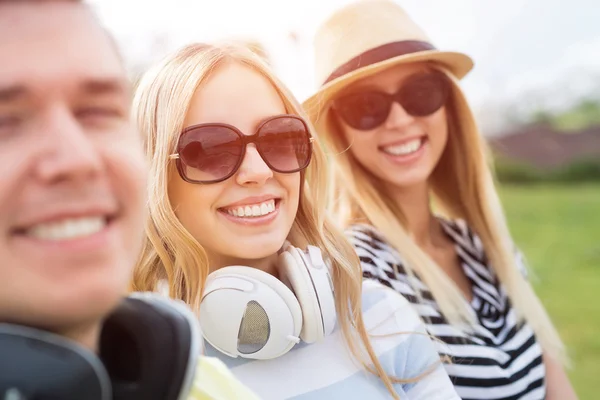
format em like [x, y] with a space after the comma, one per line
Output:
[171, 253]
[462, 186]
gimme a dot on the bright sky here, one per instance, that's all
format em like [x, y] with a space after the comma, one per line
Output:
[516, 44]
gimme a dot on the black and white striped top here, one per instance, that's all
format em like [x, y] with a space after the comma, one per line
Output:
[497, 359]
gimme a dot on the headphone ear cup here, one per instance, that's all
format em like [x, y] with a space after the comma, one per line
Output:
[294, 268]
[249, 313]
[150, 345]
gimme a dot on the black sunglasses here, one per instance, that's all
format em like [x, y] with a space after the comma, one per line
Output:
[213, 152]
[421, 95]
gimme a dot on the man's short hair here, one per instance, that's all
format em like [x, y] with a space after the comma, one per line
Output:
[41, 1]
[83, 2]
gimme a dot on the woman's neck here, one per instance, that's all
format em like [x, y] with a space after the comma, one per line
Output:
[267, 264]
[420, 221]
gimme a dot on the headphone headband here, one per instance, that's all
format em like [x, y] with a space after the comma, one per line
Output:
[148, 350]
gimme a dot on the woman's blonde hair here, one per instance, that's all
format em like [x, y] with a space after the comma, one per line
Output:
[462, 186]
[171, 253]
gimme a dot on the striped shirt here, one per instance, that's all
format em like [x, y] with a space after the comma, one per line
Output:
[326, 369]
[499, 358]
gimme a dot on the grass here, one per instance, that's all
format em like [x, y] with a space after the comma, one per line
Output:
[558, 229]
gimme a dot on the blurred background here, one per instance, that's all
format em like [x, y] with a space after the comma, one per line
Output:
[535, 90]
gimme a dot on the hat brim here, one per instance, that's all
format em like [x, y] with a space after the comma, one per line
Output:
[459, 64]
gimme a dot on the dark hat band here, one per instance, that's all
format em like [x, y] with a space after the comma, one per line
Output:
[379, 54]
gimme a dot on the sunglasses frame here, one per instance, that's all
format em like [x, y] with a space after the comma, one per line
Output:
[246, 139]
[396, 97]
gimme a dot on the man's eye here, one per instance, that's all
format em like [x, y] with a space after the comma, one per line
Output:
[9, 121]
[10, 125]
[99, 112]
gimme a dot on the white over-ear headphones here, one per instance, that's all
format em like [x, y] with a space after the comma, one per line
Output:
[249, 313]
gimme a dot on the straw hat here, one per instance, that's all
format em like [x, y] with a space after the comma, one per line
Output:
[365, 38]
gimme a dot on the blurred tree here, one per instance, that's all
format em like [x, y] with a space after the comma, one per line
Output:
[579, 116]
[542, 116]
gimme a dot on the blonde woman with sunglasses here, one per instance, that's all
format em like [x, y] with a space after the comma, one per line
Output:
[238, 231]
[413, 189]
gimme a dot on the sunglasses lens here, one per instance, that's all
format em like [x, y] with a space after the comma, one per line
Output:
[363, 111]
[424, 94]
[209, 153]
[284, 144]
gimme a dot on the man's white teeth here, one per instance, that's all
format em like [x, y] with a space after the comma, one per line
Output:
[256, 210]
[405, 148]
[68, 228]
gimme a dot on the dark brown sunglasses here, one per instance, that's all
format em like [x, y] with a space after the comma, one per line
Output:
[213, 152]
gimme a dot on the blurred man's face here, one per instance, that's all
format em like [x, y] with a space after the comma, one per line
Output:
[71, 168]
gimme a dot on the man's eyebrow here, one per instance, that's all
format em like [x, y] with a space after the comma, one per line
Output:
[9, 94]
[105, 86]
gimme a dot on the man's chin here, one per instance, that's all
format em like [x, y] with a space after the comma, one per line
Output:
[92, 303]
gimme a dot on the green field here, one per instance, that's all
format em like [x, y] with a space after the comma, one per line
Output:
[558, 229]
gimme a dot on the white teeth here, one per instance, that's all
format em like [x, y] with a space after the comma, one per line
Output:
[255, 210]
[68, 228]
[264, 209]
[405, 148]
